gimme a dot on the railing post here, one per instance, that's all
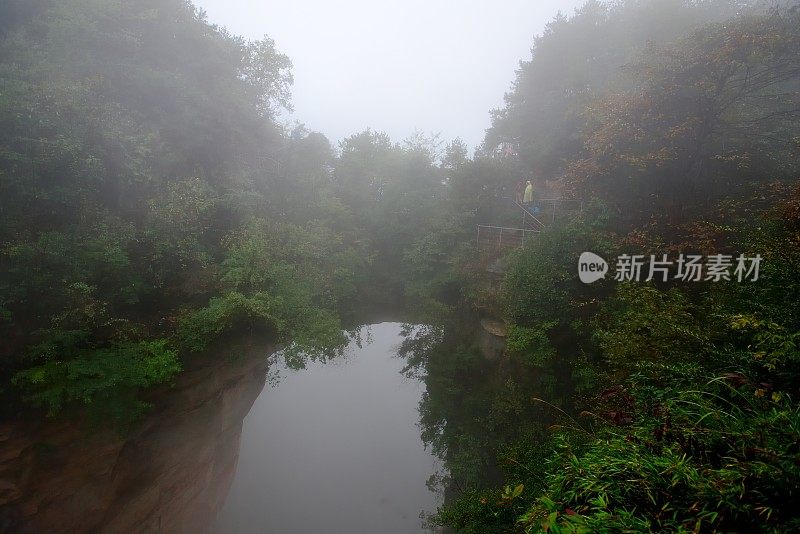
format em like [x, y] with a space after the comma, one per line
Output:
[501, 237]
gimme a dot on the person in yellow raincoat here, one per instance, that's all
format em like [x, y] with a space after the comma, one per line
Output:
[528, 197]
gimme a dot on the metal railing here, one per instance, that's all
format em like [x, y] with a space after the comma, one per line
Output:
[557, 205]
[535, 223]
[503, 236]
[549, 206]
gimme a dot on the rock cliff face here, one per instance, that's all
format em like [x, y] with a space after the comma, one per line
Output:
[492, 338]
[171, 474]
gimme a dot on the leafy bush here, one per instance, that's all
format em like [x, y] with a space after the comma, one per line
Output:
[92, 376]
[641, 323]
[198, 328]
[711, 459]
[540, 284]
[531, 343]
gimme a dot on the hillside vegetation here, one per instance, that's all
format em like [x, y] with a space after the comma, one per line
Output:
[152, 203]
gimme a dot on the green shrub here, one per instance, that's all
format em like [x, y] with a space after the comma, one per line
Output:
[198, 328]
[711, 459]
[89, 375]
[532, 344]
[641, 323]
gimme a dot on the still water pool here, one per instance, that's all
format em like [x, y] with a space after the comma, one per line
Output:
[334, 448]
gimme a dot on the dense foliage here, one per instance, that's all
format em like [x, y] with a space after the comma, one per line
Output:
[660, 406]
[152, 204]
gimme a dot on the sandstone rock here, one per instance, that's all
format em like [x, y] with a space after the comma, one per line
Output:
[171, 474]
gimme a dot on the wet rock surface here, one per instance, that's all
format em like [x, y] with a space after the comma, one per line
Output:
[492, 338]
[171, 473]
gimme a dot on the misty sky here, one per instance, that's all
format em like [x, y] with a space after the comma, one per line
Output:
[395, 66]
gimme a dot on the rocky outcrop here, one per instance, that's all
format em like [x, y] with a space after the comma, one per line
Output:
[171, 474]
[492, 338]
